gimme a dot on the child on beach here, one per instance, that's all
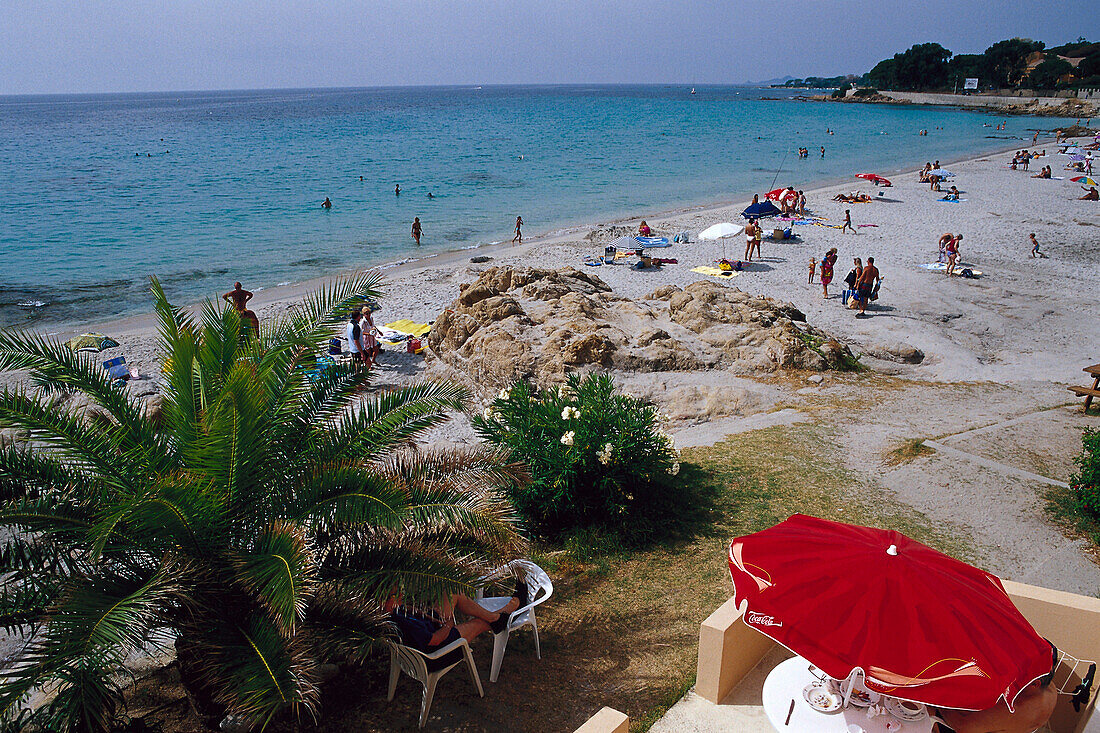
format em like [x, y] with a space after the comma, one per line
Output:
[847, 222]
[1035, 246]
[813, 270]
[827, 263]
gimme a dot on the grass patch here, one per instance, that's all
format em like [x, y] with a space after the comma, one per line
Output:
[907, 451]
[1064, 510]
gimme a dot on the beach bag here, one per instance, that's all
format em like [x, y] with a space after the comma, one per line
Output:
[968, 273]
[413, 346]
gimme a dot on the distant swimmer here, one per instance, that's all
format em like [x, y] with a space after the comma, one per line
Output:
[431, 195]
[326, 204]
[822, 151]
[360, 178]
[519, 233]
[416, 230]
[238, 296]
[397, 190]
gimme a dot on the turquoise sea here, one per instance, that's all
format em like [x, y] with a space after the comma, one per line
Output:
[204, 188]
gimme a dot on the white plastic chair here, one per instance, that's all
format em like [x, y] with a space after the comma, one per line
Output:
[414, 663]
[539, 588]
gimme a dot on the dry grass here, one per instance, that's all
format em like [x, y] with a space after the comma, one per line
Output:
[907, 451]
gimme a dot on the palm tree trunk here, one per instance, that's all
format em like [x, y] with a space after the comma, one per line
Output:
[199, 694]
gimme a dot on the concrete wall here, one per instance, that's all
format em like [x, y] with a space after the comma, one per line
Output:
[608, 720]
[979, 100]
[728, 649]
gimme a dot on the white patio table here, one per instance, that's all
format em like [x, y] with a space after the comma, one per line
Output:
[786, 682]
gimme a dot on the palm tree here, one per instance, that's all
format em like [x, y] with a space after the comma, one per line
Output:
[258, 523]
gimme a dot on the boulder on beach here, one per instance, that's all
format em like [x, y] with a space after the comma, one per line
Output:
[539, 324]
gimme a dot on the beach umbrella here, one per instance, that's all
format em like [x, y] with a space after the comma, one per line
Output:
[941, 172]
[1076, 156]
[874, 178]
[920, 625]
[1083, 180]
[91, 342]
[761, 210]
[721, 231]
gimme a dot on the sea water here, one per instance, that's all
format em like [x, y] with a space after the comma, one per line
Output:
[202, 189]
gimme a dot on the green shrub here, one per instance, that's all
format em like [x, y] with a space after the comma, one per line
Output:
[597, 458]
[1087, 481]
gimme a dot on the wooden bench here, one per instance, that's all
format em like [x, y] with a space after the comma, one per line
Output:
[1089, 392]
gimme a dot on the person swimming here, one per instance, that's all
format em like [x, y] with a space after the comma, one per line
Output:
[326, 204]
[397, 190]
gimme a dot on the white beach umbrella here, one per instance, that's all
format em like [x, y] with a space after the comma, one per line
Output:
[720, 231]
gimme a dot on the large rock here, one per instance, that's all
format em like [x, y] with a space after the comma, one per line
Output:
[538, 324]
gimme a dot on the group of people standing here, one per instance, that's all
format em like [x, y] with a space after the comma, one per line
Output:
[362, 336]
[863, 280]
[949, 250]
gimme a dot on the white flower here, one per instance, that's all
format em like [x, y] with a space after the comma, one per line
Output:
[570, 412]
[564, 391]
[675, 469]
[567, 439]
[489, 413]
[604, 454]
[505, 393]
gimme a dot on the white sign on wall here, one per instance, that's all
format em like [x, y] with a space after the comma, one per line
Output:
[970, 84]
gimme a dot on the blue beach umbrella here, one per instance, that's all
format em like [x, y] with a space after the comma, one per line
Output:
[761, 210]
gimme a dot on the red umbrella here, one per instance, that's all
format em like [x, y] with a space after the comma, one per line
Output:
[779, 194]
[874, 178]
[921, 626]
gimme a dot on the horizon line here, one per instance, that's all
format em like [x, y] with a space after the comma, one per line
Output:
[382, 87]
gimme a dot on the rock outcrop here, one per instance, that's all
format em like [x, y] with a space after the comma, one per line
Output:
[538, 324]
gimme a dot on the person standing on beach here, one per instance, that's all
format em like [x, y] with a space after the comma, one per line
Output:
[519, 233]
[416, 230]
[801, 204]
[952, 251]
[827, 263]
[757, 238]
[866, 285]
[354, 334]
[369, 348]
[852, 279]
[847, 222]
[750, 232]
[1035, 246]
[238, 296]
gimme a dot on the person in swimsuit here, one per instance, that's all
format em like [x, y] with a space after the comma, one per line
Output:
[397, 189]
[1092, 195]
[847, 222]
[416, 230]
[852, 278]
[827, 263]
[428, 632]
[947, 237]
[951, 249]
[519, 233]
[644, 230]
[326, 204]
[369, 348]
[238, 296]
[1035, 246]
[866, 284]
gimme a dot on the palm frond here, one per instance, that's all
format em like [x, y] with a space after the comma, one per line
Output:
[279, 571]
[345, 625]
[389, 420]
[25, 471]
[55, 368]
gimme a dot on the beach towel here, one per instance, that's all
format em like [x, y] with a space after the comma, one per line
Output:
[951, 201]
[861, 226]
[412, 328]
[959, 267]
[714, 272]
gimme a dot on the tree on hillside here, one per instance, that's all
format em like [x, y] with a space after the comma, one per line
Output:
[1007, 60]
[1048, 74]
[921, 67]
[969, 65]
[258, 520]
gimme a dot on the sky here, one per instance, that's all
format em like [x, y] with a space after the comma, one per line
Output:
[82, 46]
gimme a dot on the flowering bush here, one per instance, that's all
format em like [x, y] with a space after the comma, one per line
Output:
[1087, 482]
[596, 457]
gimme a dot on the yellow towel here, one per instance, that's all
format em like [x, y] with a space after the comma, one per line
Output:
[410, 327]
[714, 271]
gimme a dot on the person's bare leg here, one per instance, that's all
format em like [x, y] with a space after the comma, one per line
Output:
[471, 607]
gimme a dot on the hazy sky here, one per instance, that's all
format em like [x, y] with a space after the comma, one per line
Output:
[137, 45]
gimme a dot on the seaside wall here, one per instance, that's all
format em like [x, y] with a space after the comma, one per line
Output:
[987, 100]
